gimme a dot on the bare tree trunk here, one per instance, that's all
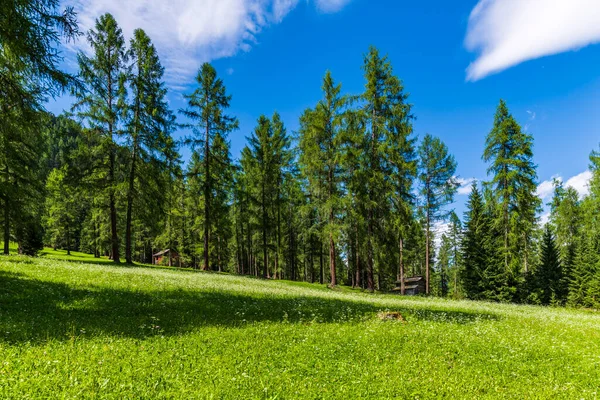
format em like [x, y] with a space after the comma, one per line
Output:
[113, 211]
[427, 255]
[370, 283]
[264, 235]
[321, 265]
[6, 224]
[401, 267]
[128, 218]
[206, 196]
[358, 272]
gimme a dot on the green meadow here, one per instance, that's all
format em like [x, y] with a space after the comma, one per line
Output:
[79, 327]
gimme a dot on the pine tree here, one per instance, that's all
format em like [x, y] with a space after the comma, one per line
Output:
[548, 277]
[149, 119]
[509, 152]
[320, 160]
[455, 238]
[436, 174]
[385, 113]
[206, 107]
[480, 272]
[101, 104]
[30, 31]
[566, 220]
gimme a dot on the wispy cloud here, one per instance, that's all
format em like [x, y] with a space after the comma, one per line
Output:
[507, 32]
[189, 32]
[331, 6]
[464, 187]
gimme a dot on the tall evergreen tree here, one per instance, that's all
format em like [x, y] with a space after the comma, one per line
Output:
[149, 119]
[438, 186]
[548, 277]
[206, 107]
[30, 31]
[482, 276]
[320, 158]
[101, 104]
[385, 112]
[509, 151]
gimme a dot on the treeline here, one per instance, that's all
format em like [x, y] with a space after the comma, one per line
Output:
[353, 197]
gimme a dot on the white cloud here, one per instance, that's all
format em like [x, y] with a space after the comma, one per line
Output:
[546, 188]
[464, 187]
[189, 32]
[331, 6]
[507, 32]
[580, 183]
[544, 218]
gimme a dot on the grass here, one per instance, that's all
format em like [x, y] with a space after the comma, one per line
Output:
[72, 329]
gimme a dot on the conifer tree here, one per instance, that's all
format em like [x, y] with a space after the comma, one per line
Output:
[477, 247]
[383, 108]
[548, 276]
[149, 119]
[101, 104]
[438, 185]
[509, 151]
[30, 31]
[320, 158]
[206, 107]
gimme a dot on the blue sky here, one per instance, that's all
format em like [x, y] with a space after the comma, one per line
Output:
[456, 58]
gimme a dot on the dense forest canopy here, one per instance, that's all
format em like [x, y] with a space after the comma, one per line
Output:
[352, 198]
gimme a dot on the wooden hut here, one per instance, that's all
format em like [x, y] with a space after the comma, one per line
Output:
[171, 257]
[412, 286]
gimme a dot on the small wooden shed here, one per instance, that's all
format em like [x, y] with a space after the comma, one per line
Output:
[168, 254]
[413, 286]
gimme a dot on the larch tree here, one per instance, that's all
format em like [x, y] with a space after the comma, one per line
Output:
[101, 104]
[437, 188]
[383, 106]
[261, 164]
[30, 31]
[320, 159]
[206, 108]
[148, 118]
[509, 151]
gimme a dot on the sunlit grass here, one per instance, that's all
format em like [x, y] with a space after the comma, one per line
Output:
[72, 329]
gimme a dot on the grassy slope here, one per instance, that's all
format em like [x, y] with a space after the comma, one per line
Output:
[76, 329]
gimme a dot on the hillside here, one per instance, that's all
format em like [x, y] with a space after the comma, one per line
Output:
[73, 329]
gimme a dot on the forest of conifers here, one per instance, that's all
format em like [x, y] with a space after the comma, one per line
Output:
[353, 197]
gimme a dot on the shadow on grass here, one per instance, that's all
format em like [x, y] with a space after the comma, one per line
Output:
[35, 310]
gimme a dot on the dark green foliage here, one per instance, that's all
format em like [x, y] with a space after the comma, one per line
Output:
[548, 279]
[101, 105]
[509, 151]
[206, 108]
[483, 275]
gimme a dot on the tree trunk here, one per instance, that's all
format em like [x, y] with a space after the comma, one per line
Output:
[111, 175]
[321, 265]
[331, 242]
[6, 224]
[401, 267]
[206, 197]
[113, 211]
[264, 234]
[128, 247]
[358, 273]
[427, 255]
[68, 241]
[370, 283]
